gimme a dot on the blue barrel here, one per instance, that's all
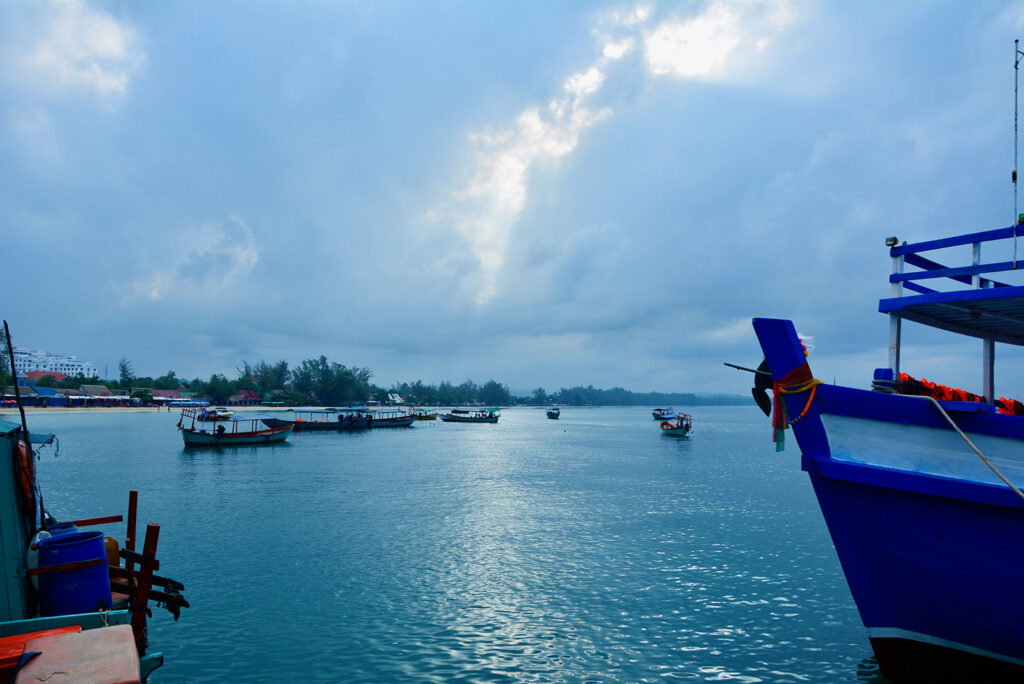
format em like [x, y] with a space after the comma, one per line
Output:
[68, 592]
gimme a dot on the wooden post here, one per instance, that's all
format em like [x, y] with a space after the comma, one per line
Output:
[140, 597]
[129, 537]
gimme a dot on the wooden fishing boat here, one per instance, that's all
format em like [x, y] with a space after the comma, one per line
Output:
[425, 413]
[230, 432]
[381, 418]
[662, 413]
[676, 424]
[64, 593]
[471, 415]
[322, 420]
[554, 413]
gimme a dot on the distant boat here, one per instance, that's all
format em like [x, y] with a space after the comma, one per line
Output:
[393, 417]
[677, 424]
[323, 420]
[471, 415]
[661, 413]
[228, 432]
[554, 413]
[425, 413]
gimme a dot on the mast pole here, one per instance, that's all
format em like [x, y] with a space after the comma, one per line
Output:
[1017, 54]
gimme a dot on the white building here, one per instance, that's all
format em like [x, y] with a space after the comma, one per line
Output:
[27, 360]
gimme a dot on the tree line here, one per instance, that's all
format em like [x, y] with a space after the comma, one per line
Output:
[322, 382]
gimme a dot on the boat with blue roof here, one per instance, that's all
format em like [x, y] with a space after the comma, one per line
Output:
[920, 484]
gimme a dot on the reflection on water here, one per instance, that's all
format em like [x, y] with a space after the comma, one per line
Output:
[591, 548]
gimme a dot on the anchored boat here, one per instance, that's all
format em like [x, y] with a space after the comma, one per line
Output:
[490, 415]
[391, 417]
[677, 424]
[662, 413]
[229, 432]
[554, 413]
[322, 420]
[921, 491]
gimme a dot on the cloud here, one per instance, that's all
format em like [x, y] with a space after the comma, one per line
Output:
[197, 263]
[486, 209]
[78, 48]
[706, 46]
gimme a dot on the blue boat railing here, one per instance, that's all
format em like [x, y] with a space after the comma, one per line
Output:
[957, 298]
[910, 255]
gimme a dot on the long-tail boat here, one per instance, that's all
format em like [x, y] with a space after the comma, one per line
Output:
[458, 415]
[246, 431]
[322, 420]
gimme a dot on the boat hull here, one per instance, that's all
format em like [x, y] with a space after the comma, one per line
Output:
[317, 426]
[676, 432]
[392, 422]
[936, 580]
[268, 436]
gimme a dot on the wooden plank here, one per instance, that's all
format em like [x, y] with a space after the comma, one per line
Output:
[98, 521]
[77, 565]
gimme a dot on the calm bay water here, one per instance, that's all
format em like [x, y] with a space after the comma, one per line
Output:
[591, 548]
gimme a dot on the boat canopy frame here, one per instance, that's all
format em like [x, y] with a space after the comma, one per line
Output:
[990, 310]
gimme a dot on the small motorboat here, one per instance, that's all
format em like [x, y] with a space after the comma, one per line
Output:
[218, 413]
[662, 413]
[678, 424]
[554, 413]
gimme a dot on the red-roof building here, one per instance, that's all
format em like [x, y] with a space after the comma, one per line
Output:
[245, 397]
[38, 375]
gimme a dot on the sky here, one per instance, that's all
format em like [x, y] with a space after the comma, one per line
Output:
[543, 194]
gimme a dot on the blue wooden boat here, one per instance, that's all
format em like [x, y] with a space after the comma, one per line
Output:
[921, 489]
[661, 413]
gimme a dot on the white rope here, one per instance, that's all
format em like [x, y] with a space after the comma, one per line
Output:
[971, 444]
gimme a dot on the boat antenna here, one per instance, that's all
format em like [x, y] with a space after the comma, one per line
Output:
[1017, 54]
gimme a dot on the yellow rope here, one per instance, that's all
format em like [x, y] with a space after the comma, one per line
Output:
[811, 385]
